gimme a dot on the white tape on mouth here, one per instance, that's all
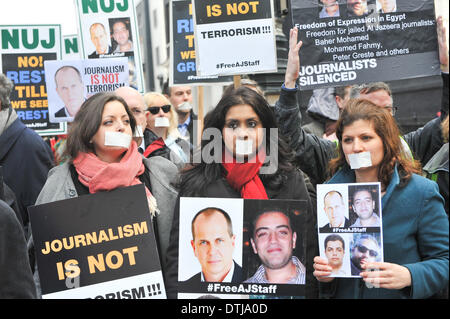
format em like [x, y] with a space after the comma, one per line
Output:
[358, 160]
[117, 139]
[244, 147]
[138, 131]
[161, 122]
[184, 107]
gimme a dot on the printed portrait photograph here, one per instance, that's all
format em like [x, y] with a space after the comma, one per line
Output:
[121, 35]
[364, 248]
[210, 240]
[336, 249]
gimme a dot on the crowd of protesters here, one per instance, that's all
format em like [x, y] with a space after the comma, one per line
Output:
[156, 149]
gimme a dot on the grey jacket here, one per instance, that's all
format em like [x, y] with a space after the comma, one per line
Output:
[60, 186]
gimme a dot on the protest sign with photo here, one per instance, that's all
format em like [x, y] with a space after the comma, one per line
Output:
[99, 246]
[70, 83]
[109, 29]
[183, 69]
[242, 31]
[349, 225]
[23, 51]
[225, 250]
[352, 42]
[71, 48]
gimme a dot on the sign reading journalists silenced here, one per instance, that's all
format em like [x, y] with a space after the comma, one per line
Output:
[350, 43]
[98, 246]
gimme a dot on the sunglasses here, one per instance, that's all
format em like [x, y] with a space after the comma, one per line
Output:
[364, 249]
[155, 109]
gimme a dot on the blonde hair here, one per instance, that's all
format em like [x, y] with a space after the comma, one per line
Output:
[150, 100]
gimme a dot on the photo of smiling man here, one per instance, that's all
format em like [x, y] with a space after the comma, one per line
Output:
[273, 239]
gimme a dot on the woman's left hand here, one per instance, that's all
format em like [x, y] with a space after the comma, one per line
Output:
[386, 275]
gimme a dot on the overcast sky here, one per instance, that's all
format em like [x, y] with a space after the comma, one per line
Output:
[40, 12]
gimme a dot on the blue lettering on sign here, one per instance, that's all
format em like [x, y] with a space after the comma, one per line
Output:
[26, 77]
[185, 25]
[32, 115]
[186, 66]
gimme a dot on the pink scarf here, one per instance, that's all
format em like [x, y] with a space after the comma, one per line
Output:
[102, 176]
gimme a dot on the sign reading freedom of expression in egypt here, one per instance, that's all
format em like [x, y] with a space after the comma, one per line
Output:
[182, 53]
[22, 54]
[98, 246]
[109, 29]
[366, 43]
[234, 37]
[70, 83]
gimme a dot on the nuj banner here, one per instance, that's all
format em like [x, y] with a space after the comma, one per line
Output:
[352, 42]
[109, 29]
[23, 51]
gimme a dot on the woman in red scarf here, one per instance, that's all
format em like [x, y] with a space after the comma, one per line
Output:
[242, 157]
[102, 156]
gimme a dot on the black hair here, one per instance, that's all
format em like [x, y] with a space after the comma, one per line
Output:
[195, 179]
[87, 122]
[333, 237]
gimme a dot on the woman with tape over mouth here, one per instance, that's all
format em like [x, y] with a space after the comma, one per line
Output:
[103, 156]
[162, 129]
[415, 226]
[242, 156]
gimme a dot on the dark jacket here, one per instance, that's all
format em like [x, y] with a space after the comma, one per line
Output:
[26, 160]
[295, 188]
[313, 153]
[16, 279]
[237, 276]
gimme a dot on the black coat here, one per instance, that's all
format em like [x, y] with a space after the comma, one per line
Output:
[294, 189]
[16, 279]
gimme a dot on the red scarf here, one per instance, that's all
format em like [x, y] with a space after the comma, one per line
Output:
[102, 176]
[244, 177]
[156, 145]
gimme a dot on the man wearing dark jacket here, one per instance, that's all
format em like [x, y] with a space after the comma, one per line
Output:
[24, 156]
